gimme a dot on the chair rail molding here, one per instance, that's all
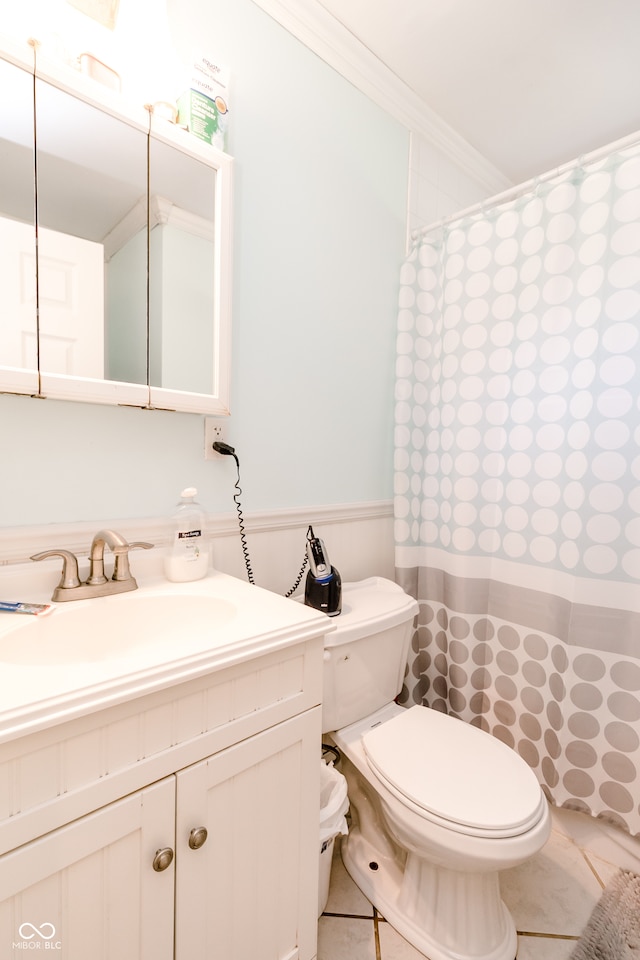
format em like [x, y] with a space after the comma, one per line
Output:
[18, 544]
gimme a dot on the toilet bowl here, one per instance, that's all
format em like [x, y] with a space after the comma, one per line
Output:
[438, 806]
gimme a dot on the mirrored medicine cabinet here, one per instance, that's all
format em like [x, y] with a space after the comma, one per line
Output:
[115, 247]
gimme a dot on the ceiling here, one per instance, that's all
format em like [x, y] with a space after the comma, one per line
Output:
[530, 84]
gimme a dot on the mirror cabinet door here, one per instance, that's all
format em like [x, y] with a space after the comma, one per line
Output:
[121, 292]
[18, 290]
[182, 193]
[190, 274]
[190, 195]
[92, 248]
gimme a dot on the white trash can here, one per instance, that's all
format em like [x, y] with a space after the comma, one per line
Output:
[334, 804]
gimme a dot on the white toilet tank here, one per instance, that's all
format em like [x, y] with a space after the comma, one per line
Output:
[366, 655]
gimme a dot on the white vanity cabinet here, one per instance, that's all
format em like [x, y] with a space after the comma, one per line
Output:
[88, 889]
[215, 778]
[239, 895]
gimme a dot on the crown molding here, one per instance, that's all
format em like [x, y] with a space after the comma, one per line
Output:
[309, 22]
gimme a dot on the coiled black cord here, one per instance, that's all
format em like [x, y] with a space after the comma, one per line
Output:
[229, 451]
[299, 577]
[243, 538]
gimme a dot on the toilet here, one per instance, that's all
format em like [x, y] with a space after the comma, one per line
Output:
[438, 806]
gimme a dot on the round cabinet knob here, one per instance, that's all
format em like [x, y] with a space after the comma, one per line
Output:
[198, 837]
[163, 859]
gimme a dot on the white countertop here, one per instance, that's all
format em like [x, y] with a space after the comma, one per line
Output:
[131, 644]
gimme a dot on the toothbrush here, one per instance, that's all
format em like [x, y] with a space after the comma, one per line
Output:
[37, 609]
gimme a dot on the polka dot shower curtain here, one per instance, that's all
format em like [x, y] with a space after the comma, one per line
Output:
[517, 485]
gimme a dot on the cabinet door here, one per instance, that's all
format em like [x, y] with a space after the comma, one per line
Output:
[250, 892]
[89, 890]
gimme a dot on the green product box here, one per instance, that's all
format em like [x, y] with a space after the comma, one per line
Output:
[204, 108]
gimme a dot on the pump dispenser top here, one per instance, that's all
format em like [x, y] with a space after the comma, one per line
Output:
[188, 557]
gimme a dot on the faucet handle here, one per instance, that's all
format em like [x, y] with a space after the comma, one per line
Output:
[121, 570]
[69, 576]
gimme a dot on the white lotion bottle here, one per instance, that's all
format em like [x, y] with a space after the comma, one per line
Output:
[188, 558]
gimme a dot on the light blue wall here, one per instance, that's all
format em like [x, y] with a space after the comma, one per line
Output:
[320, 218]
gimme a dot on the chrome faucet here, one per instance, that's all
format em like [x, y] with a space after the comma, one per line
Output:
[96, 584]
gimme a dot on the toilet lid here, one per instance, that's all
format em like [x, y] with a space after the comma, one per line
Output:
[449, 771]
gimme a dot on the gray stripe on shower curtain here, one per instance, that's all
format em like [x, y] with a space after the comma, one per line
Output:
[571, 710]
[578, 624]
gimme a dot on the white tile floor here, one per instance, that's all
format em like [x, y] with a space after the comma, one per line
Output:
[550, 898]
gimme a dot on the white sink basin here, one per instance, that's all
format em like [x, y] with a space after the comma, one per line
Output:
[109, 650]
[113, 629]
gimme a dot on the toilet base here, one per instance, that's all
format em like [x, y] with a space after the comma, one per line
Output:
[446, 914]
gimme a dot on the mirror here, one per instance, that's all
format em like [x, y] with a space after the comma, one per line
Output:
[189, 270]
[92, 180]
[133, 255]
[181, 281]
[18, 301]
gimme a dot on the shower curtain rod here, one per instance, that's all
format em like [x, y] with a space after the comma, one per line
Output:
[519, 189]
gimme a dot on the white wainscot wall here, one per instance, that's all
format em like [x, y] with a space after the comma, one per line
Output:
[358, 538]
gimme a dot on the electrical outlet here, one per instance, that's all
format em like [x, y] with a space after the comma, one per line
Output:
[215, 428]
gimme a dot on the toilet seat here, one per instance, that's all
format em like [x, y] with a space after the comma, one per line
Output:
[416, 755]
